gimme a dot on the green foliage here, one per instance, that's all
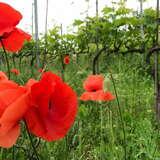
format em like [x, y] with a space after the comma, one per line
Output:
[98, 132]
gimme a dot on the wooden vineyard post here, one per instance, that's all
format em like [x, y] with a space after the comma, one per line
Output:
[36, 32]
[46, 41]
[95, 59]
[32, 19]
[157, 83]
[96, 8]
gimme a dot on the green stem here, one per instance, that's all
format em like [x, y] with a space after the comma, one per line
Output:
[13, 153]
[110, 121]
[63, 67]
[1, 153]
[121, 117]
[31, 141]
[6, 57]
[80, 136]
[101, 116]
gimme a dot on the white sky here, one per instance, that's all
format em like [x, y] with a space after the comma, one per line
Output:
[62, 11]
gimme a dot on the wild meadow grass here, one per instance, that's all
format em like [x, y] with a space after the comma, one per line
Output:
[98, 132]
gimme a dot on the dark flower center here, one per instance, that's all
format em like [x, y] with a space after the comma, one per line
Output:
[93, 90]
[49, 105]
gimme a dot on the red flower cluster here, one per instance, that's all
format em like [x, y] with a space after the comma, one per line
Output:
[11, 37]
[15, 71]
[48, 107]
[94, 89]
[66, 59]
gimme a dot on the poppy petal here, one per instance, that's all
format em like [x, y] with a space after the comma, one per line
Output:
[13, 105]
[15, 40]
[9, 18]
[30, 83]
[14, 111]
[99, 95]
[9, 139]
[6, 98]
[93, 83]
[62, 116]
[41, 94]
[86, 96]
[7, 85]
[106, 96]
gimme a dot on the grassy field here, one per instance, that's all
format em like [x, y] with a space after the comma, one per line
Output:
[123, 128]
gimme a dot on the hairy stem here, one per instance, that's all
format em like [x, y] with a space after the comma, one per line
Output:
[121, 117]
[31, 141]
[6, 57]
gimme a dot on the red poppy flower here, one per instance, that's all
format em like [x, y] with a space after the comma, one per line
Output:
[94, 89]
[54, 106]
[9, 18]
[66, 59]
[15, 71]
[13, 105]
[11, 37]
[93, 83]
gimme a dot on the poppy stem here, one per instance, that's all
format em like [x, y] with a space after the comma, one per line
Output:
[101, 143]
[13, 153]
[63, 67]
[121, 117]
[6, 57]
[31, 141]
[1, 153]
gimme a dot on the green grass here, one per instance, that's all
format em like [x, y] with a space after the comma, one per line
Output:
[97, 133]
